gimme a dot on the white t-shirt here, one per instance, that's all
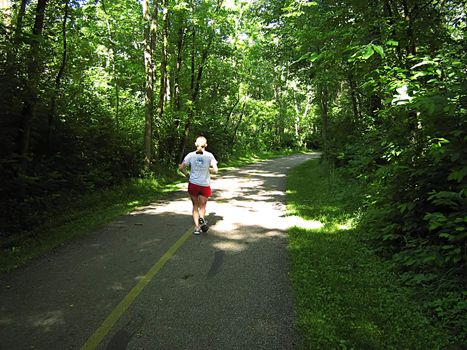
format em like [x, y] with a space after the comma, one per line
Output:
[199, 167]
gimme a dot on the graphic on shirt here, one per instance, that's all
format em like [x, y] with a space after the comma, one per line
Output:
[199, 164]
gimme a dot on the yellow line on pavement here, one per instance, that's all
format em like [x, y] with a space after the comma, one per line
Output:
[120, 309]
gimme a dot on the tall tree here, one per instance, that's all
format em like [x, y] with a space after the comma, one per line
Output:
[58, 77]
[164, 61]
[150, 32]
[197, 72]
[33, 75]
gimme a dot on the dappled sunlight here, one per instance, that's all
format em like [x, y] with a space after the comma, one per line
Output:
[347, 224]
[344, 227]
[241, 237]
[243, 188]
[271, 175]
[242, 214]
[297, 221]
[180, 206]
[231, 246]
[48, 320]
[323, 226]
[226, 226]
[262, 174]
[259, 197]
[250, 201]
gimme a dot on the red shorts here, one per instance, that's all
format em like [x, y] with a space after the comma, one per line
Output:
[197, 190]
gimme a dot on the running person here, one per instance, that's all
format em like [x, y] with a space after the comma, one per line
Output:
[201, 164]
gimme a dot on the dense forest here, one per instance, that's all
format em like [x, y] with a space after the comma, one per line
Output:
[96, 92]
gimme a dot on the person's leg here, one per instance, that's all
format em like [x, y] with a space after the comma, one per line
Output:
[195, 211]
[202, 201]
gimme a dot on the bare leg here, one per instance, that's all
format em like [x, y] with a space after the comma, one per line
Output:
[195, 211]
[202, 201]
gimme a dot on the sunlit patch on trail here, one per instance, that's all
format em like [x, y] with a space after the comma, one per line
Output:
[48, 320]
[264, 174]
[232, 246]
[181, 206]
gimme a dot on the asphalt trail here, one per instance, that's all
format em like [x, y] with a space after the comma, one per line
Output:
[226, 289]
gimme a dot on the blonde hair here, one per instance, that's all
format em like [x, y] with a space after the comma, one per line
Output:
[201, 142]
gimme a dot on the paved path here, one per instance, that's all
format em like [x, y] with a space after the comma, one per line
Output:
[227, 289]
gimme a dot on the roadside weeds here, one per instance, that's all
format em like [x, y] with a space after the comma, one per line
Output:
[346, 297]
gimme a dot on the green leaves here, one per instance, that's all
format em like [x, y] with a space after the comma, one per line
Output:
[458, 174]
[311, 57]
[366, 52]
[378, 49]
[435, 220]
[392, 43]
[445, 198]
[296, 8]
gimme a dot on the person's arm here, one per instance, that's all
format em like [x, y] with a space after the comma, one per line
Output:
[182, 168]
[213, 168]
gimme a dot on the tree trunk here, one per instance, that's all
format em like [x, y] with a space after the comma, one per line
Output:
[150, 28]
[12, 81]
[19, 20]
[324, 116]
[234, 136]
[196, 82]
[282, 103]
[411, 47]
[389, 14]
[186, 129]
[31, 89]
[413, 120]
[230, 113]
[300, 117]
[58, 78]
[165, 43]
[353, 95]
[375, 106]
[175, 96]
[113, 57]
[194, 88]
[178, 67]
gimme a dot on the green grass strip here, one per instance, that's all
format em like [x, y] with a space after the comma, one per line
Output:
[346, 297]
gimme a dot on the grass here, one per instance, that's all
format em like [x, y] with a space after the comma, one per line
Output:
[85, 213]
[346, 297]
